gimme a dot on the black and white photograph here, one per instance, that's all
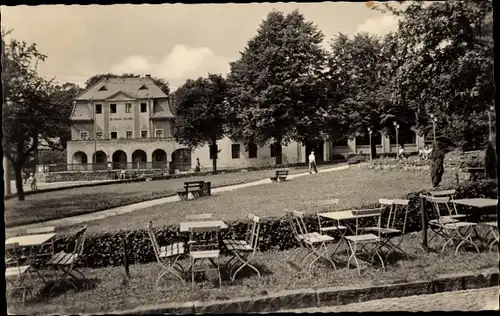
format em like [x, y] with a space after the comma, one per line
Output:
[215, 158]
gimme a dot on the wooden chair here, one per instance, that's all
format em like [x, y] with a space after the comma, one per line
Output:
[366, 239]
[314, 244]
[167, 256]
[15, 273]
[493, 231]
[453, 212]
[201, 250]
[244, 250]
[67, 262]
[449, 228]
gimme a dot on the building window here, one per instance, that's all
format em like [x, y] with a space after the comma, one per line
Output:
[144, 107]
[98, 135]
[213, 151]
[114, 135]
[252, 150]
[98, 108]
[128, 107]
[128, 134]
[235, 151]
[112, 108]
[144, 134]
[84, 135]
[159, 133]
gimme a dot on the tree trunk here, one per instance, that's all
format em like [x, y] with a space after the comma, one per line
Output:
[19, 181]
[214, 155]
[279, 153]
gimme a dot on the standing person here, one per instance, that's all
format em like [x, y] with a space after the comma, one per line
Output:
[198, 165]
[312, 162]
[32, 182]
[401, 152]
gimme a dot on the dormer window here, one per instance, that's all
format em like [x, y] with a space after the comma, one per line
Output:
[103, 88]
[143, 87]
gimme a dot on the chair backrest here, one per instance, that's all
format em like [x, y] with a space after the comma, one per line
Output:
[254, 229]
[199, 217]
[444, 193]
[440, 205]
[299, 218]
[211, 242]
[79, 241]
[290, 218]
[40, 230]
[387, 205]
[329, 203]
[12, 246]
[368, 213]
[401, 205]
[154, 241]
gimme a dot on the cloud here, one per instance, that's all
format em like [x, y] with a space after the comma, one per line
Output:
[379, 26]
[180, 64]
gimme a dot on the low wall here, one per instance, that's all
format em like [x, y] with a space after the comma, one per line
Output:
[76, 176]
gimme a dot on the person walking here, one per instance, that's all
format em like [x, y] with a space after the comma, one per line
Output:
[198, 165]
[312, 162]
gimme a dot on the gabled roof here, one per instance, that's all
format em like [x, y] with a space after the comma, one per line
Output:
[129, 86]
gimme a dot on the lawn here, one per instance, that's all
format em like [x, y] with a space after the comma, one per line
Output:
[108, 290]
[70, 202]
[354, 187]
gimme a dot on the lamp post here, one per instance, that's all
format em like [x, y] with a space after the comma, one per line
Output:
[370, 134]
[434, 121]
[396, 126]
[490, 131]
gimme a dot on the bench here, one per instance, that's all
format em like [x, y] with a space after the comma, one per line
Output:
[196, 188]
[280, 176]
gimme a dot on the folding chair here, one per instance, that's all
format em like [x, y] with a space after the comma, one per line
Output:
[453, 213]
[449, 228]
[365, 240]
[244, 250]
[201, 250]
[493, 230]
[14, 273]
[167, 256]
[314, 244]
[389, 231]
[67, 262]
[335, 228]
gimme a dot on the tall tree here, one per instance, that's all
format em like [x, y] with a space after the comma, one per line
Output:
[29, 111]
[64, 95]
[273, 87]
[447, 47]
[201, 113]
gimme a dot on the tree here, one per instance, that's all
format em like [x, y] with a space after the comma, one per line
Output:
[29, 109]
[276, 87]
[490, 162]
[447, 48]
[64, 95]
[437, 165]
[201, 113]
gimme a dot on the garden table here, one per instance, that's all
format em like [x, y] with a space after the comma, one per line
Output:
[477, 207]
[186, 226]
[341, 216]
[31, 241]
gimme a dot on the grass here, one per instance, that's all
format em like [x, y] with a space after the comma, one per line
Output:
[54, 205]
[354, 187]
[108, 290]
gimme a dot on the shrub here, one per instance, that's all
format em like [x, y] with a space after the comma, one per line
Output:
[437, 167]
[105, 249]
[356, 159]
[490, 162]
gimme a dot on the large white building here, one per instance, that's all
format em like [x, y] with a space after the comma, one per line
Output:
[126, 123]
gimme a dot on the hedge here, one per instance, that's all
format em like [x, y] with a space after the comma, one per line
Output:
[105, 249]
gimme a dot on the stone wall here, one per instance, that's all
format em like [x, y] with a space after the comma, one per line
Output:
[76, 176]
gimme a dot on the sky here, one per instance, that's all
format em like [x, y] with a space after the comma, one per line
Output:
[171, 41]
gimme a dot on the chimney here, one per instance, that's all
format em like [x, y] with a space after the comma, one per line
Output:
[148, 76]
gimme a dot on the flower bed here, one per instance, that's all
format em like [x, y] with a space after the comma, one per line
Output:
[104, 249]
